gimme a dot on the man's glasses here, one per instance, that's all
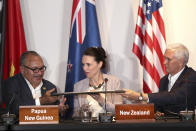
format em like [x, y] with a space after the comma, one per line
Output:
[36, 70]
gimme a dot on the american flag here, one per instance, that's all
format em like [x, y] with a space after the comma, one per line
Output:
[150, 43]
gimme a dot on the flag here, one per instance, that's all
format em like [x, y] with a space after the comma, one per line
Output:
[84, 33]
[15, 43]
[150, 43]
[2, 43]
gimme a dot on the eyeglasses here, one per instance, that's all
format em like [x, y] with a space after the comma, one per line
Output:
[36, 70]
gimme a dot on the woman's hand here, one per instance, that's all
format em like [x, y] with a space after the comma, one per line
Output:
[98, 97]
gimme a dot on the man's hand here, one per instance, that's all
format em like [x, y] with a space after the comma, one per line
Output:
[62, 106]
[158, 115]
[130, 94]
[133, 95]
[47, 98]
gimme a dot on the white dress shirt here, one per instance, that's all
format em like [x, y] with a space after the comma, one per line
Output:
[36, 92]
[172, 79]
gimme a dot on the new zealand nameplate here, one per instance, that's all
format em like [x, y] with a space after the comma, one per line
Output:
[134, 112]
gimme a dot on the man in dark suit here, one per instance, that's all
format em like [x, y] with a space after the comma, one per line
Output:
[29, 87]
[177, 89]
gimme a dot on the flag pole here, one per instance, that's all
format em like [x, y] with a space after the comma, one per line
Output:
[2, 42]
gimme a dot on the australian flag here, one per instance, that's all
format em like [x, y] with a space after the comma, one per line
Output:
[84, 33]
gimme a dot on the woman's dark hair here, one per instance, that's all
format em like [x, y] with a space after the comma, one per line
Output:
[99, 54]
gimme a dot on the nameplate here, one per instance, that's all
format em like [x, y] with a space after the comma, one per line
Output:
[47, 114]
[134, 112]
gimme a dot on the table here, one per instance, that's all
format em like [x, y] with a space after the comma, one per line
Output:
[169, 125]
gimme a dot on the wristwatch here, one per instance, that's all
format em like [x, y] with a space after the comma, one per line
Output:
[141, 97]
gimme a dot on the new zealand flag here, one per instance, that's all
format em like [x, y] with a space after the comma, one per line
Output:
[84, 33]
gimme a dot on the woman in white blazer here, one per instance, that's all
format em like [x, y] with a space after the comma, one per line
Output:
[94, 60]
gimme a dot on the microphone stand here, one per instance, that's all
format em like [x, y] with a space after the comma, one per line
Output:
[106, 81]
[9, 119]
[107, 116]
[186, 115]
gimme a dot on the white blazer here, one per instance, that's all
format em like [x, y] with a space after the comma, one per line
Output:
[113, 83]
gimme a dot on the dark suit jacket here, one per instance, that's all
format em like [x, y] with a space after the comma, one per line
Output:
[182, 94]
[17, 89]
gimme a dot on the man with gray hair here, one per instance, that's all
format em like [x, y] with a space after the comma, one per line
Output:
[177, 89]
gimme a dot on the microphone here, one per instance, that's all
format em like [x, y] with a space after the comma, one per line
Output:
[10, 103]
[107, 116]
[9, 119]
